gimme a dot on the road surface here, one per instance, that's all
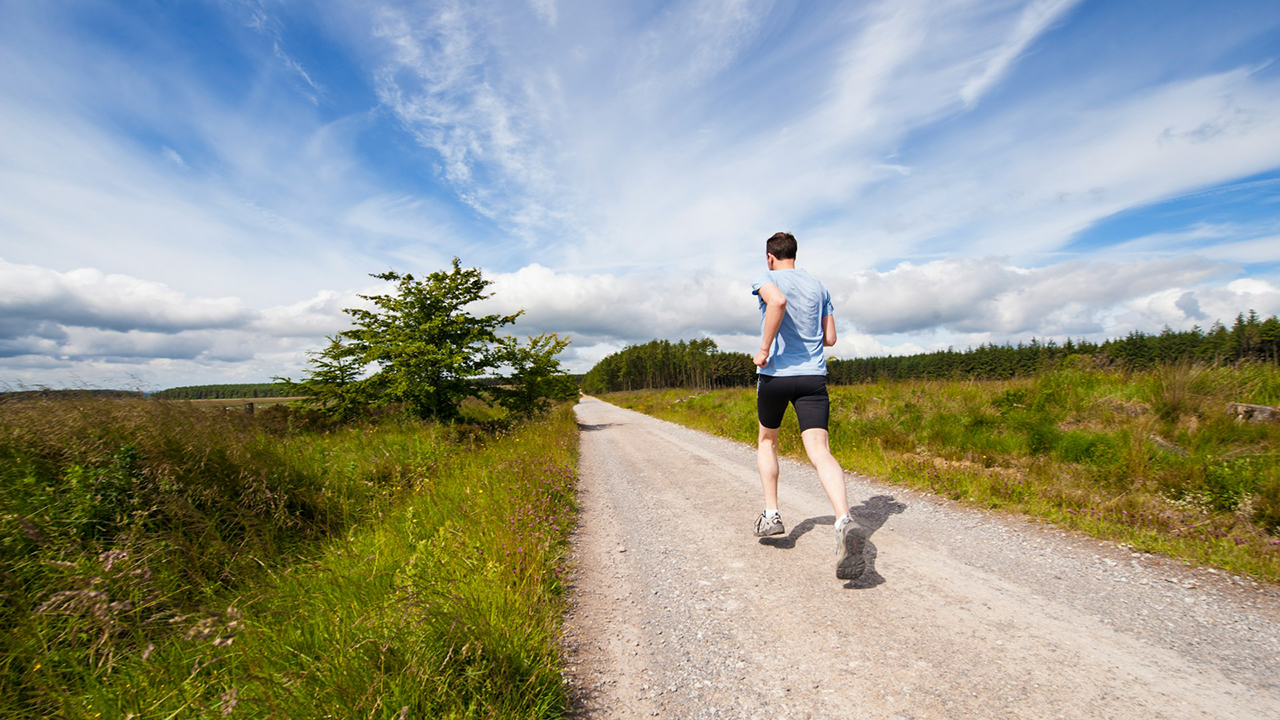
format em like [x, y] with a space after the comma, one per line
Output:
[678, 611]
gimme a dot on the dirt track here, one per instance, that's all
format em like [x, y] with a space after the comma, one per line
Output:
[680, 612]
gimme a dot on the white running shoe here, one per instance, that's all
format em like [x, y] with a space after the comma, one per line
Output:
[767, 525]
[851, 538]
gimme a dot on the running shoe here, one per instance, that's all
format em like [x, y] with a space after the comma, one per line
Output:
[767, 525]
[850, 540]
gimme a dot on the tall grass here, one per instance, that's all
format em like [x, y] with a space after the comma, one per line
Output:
[161, 561]
[1152, 460]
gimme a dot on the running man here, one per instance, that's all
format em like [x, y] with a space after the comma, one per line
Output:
[797, 322]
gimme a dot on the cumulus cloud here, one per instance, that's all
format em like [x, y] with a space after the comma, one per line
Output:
[628, 308]
[961, 301]
[85, 317]
[913, 307]
[317, 316]
[971, 295]
[90, 298]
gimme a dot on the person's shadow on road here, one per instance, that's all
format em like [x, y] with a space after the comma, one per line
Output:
[871, 515]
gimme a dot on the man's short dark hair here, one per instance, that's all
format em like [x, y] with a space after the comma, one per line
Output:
[782, 246]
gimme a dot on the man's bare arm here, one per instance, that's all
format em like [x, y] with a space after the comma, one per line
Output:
[775, 308]
[829, 330]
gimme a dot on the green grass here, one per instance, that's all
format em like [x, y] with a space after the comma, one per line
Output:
[1150, 460]
[166, 562]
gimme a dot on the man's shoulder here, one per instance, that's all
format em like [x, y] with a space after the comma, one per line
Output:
[764, 278]
[812, 279]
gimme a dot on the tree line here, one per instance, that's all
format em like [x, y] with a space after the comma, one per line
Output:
[228, 391]
[700, 364]
[661, 363]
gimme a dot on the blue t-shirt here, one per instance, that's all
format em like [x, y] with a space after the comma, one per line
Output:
[797, 349]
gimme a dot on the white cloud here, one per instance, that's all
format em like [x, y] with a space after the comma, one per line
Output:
[172, 156]
[312, 89]
[96, 325]
[1224, 242]
[439, 83]
[958, 302]
[911, 308]
[992, 296]
[855, 345]
[1036, 17]
[90, 298]
[262, 204]
[1091, 162]
[545, 10]
[632, 308]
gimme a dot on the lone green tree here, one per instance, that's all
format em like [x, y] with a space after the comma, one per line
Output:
[420, 346]
[536, 378]
[334, 385]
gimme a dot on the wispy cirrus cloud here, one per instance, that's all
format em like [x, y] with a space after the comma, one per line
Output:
[985, 193]
[440, 85]
[1034, 20]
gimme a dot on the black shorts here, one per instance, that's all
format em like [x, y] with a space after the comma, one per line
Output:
[807, 392]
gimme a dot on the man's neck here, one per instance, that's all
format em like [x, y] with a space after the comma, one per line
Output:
[789, 264]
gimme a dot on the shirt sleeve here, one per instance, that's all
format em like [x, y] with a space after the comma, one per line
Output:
[760, 281]
[827, 307]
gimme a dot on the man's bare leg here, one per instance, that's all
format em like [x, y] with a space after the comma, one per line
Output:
[817, 445]
[850, 536]
[767, 462]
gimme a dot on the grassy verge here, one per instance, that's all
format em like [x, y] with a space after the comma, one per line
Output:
[1151, 460]
[160, 561]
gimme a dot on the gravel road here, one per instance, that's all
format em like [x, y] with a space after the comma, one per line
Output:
[678, 611]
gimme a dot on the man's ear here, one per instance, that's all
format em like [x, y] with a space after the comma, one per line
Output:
[769, 260]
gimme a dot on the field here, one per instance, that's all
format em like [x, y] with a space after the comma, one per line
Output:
[166, 560]
[1153, 460]
[243, 403]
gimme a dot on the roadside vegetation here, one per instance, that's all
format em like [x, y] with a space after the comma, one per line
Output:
[393, 552]
[161, 560]
[1153, 459]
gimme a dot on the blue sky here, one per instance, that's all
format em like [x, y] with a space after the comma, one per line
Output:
[191, 191]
